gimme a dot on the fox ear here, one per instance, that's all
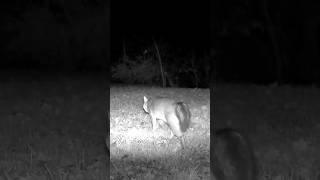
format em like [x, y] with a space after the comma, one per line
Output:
[145, 99]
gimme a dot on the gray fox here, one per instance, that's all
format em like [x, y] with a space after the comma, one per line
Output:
[175, 114]
[233, 157]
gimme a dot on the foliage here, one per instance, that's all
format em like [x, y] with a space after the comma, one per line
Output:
[141, 70]
[180, 68]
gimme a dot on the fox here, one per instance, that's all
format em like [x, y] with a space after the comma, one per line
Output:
[233, 157]
[175, 114]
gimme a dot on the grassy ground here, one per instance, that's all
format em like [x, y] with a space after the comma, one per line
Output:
[282, 122]
[53, 128]
[56, 129]
[139, 153]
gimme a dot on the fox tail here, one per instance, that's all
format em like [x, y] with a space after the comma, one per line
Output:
[233, 156]
[184, 115]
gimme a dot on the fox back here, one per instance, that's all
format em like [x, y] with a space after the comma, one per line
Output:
[176, 114]
[233, 157]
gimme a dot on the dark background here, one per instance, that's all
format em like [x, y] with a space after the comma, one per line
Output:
[230, 41]
[181, 29]
[267, 41]
[54, 37]
[181, 23]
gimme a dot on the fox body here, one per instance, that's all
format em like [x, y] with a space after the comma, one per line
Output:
[175, 114]
[233, 157]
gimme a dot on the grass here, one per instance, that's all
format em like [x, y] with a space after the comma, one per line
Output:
[53, 129]
[56, 128]
[141, 153]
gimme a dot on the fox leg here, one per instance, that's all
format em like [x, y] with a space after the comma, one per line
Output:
[171, 134]
[154, 123]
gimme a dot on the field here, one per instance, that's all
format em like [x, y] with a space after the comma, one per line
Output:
[281, 121]
[139, 153]
[53, 128]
